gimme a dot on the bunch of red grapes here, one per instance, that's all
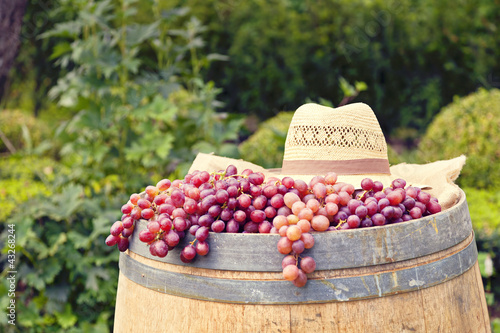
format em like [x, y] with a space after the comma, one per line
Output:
[229, 202]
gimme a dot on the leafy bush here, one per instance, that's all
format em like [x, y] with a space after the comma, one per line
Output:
[132, 121]
[282, 52]
[468, 126]
[22, 178]
[66, 275]
[134, 115]
[484, 206]
[266, 146]
[22, 130]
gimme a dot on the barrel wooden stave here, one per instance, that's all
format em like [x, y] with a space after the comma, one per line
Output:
[457, 305]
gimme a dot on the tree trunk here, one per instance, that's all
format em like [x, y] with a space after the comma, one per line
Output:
[11, 18]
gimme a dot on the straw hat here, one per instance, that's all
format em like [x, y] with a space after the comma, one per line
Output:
[347, 140]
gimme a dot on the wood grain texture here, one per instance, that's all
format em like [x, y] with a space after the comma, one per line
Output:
[456, 306]
[248, 288]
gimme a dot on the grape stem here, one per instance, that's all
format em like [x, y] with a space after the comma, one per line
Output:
[340, 224]
[360, 196]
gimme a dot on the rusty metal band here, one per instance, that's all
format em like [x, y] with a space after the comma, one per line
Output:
[337, 249]
[346, 167]
[316, 290]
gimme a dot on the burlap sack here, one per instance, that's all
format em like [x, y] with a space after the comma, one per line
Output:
[437, 177]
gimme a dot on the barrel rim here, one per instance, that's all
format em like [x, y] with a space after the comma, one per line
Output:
[382, 281]
[337, 249]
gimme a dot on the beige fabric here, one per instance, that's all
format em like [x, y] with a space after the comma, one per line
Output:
[438, 177]
[214, 163]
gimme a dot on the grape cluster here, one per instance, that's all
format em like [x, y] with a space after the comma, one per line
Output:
[198, 204]
[226, 201]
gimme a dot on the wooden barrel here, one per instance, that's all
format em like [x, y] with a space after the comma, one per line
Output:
[416, 276]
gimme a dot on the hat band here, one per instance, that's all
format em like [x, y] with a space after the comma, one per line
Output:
[345, 167]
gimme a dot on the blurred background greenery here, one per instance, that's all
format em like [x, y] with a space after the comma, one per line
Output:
[105, 97]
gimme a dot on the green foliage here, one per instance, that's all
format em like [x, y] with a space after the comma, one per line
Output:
[393, 156]
[66, 275]
[22, 178]
[284, 51]
[34, 71]
[133, 85]
[139, 111]
[21, 129]
[135, 116]
[266, 146]
[470, 126]
[495, 325]
[484, 206]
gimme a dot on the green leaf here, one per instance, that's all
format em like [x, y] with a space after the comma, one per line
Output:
[68, 201]
[137, 33]
[70, 29]
[33, 279]
[56, 243]
[67, 318]
[346, 87]
[132, 64]
[179, 32]
[39, 248]
[217, 56]
[485, 264]
[59, 293]
[360, 86]
[92, 277]
[49, 269]
[60, 49]
[80, 241]
[31, 316]
[228, 150]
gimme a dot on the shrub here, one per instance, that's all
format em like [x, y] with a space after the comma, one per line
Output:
[23, 178]
[66, 275]
[132, 122]
[282, 52]
[468, 126]
[266, 146]
[22, 130]
[484, 206]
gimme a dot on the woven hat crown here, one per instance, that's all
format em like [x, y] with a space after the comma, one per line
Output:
[347, 140]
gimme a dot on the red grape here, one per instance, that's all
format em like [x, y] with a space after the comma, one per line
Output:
[308, 265]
